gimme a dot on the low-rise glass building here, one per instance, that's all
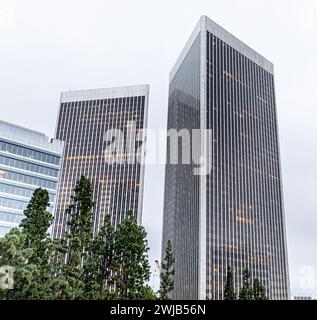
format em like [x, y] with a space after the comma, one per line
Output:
[28, 160]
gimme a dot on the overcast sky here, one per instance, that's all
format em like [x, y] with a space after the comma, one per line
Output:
[50, 46]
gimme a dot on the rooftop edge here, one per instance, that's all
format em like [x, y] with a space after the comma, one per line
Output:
[206, 24]
[104, 93]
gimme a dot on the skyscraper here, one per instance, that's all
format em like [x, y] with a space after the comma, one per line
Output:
[234, 216]
[28, 160]
[84, 118]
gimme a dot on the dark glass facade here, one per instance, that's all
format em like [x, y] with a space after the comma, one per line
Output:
[181, 207]
[84, 117]
[241, 200]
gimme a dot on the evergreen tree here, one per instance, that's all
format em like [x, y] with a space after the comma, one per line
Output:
[246, 292]
[15, 255]
[112, 265]
[78, 238]
[37, 221]
[98, 275]
[131, 266]
[258, 290]
[35, 227]
[147, 293]
[229, 293]
[60, 287]
[167, 273]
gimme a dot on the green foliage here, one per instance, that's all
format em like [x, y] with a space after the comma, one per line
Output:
[246, 292]
[61, 286]
[229, 293]
[131, 266]
[258, 290]
[80, 224]
[98, 275]
[13, 253]
[111, 265]
[28, 251]
[78, 239]
[37, 221]
[167, 273]
[35, 227]
[249, 291]
[147, 294]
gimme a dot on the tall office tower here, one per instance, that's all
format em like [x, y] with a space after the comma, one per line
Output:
[28, 160]
[84, 119]
[234, 216]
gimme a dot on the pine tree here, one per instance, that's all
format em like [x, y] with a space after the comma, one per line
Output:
[167, 273]
[15, 255]
[258, 290]
[35, 227]
[78, 238]
[131, 266]
[147, 293]
[229, 293]
[37, 220]
[60, 287]
[246, 292]
[98, 275]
